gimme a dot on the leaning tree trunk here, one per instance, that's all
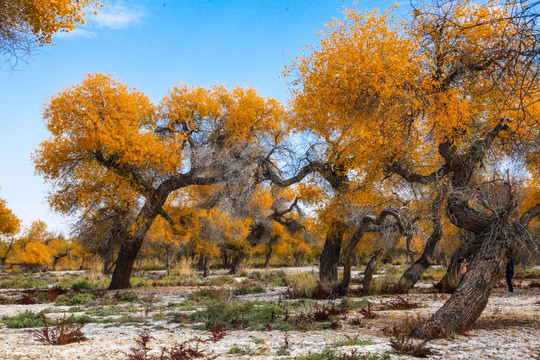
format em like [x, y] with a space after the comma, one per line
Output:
[124, 263]
[471, 296]
[328, 268]
[411, 276]
[370, 270]
[415, 271]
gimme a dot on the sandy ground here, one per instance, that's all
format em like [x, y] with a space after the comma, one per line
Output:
[508, 329]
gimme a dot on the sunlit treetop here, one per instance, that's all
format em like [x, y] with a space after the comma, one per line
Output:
[45, 17]
[379, 89]
[9, 222]
[110, 144]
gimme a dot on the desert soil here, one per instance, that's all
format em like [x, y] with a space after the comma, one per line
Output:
[509, 328]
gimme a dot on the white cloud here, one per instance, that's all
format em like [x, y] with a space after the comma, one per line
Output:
[110, 17]
[115, 17]
[77, 32]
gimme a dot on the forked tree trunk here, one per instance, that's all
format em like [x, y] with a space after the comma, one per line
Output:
[328, 268]
[342, 287]
[471, 296]
[369, 271]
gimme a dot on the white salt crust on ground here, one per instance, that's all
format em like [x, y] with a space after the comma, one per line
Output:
[508, 329]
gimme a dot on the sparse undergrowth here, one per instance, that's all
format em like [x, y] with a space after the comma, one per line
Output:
[332, 354]
[404, 345]
[352, 341]
[183, 351]
[64, 332]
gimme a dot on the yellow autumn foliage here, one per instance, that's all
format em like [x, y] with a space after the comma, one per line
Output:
[46, 17]
[378, 88]
[9, 222]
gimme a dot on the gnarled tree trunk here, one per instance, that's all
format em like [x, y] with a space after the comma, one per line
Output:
[370, 270]
[471, 296]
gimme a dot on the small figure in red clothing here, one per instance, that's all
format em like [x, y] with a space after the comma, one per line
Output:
[463, 266]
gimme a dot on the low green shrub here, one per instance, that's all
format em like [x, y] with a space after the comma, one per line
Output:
[27, 281]
[246, 290]
[26, 319]
[351, 304]
[221, 280]
[352, 341]
[207, 297]
[126, 297]
[141, 282]
[71, 299]
[81, 284]
[240, 314]
[239, 351]
[332, 354]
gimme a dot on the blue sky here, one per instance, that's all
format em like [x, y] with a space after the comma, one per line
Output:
[152, 44]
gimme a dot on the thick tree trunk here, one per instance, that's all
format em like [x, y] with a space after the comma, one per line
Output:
[411, 276]
[328, 268]
[369, 271]
[238, 264]
[471, 296]
[124, 263]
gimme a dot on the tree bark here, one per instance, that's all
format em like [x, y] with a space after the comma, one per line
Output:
[369, 271]
[268, 255]
[471, 296]
[124, 264]
[206, 267]
[410, 257]
[238, 264]
[328, 272]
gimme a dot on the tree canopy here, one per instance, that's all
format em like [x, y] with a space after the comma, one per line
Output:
[24, 23]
